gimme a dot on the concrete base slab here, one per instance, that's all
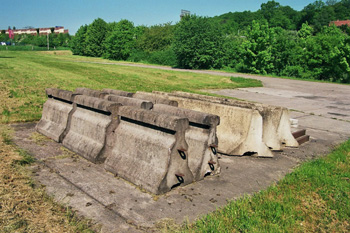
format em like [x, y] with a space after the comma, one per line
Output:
[120, 206]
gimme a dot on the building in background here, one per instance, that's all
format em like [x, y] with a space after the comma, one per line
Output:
[39, 31]
[339, 23]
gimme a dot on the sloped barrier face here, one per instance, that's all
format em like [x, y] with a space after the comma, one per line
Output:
[155, 99]
[150, 150]
[117, 92]
[201, 139]
[276, 124]
[89, 127]
[127, 101]
[240, 129]
[56, 112]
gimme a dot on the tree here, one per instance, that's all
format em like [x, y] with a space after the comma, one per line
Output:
[95, 36]
[198, 43]
[327, 55]
[158, 37]
[257, 50]
[78, 43]
[120, 42]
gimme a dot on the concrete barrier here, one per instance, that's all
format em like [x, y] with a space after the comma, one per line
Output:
[150, 150]
[118, 92]
[90, 92]
[56, 112]
[276, 120]
[155, 99]
[91, 123]
[240, 130]
[127, 101]
[201, 139]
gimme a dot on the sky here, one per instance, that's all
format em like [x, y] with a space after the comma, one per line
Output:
[73, 13]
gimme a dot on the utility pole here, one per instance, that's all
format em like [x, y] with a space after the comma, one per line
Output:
[48, 42]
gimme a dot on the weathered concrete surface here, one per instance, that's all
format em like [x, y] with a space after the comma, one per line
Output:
[120, 206]
[92, 121]
[150, 150]
[90, 92]
[240, 129]
[127, 101]
[56, 112]
[201, 139]
[155, 99]
[276, 120]
[118, 92]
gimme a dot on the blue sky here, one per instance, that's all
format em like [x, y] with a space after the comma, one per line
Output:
[73, 13]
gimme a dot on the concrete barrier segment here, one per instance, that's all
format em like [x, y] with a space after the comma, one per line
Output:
[150, 150]
[118, 92]
[90, 92]
[155, 99]
[89, 127]
[276, 125]
[56, 112]
[201, 139]
[127, 101]
[240, 130]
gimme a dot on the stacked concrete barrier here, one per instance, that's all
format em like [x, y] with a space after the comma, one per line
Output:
[90, 92]
[201, 139]
[127, 101]
[155, 99]
[240, 130]
[150, 150]
[91, 123]
[56, 112]
[117, 92]
[276, 120]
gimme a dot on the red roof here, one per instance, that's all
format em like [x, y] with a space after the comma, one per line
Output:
[340, 23]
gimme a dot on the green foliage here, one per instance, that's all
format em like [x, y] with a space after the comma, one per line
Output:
[163, 57]
[155, 38]
[120, 43]
[78, 44]
[198, 43]
[95, 36]
[263, 42]
[257, 49]
[327, 55]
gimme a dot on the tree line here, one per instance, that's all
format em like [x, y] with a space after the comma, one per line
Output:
[273, 40]
[55, 40]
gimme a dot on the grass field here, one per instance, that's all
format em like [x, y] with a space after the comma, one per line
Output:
[25, 75]
[314, 198]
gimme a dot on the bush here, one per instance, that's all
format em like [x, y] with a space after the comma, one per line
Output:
[163, 57]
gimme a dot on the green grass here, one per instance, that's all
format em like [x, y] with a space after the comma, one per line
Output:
[315, 197]
[25, 75]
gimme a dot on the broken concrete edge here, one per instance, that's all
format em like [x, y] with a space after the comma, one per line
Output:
[156, 99]
[201, 138]
[146, 139]
[128, 101]
[251, 134]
